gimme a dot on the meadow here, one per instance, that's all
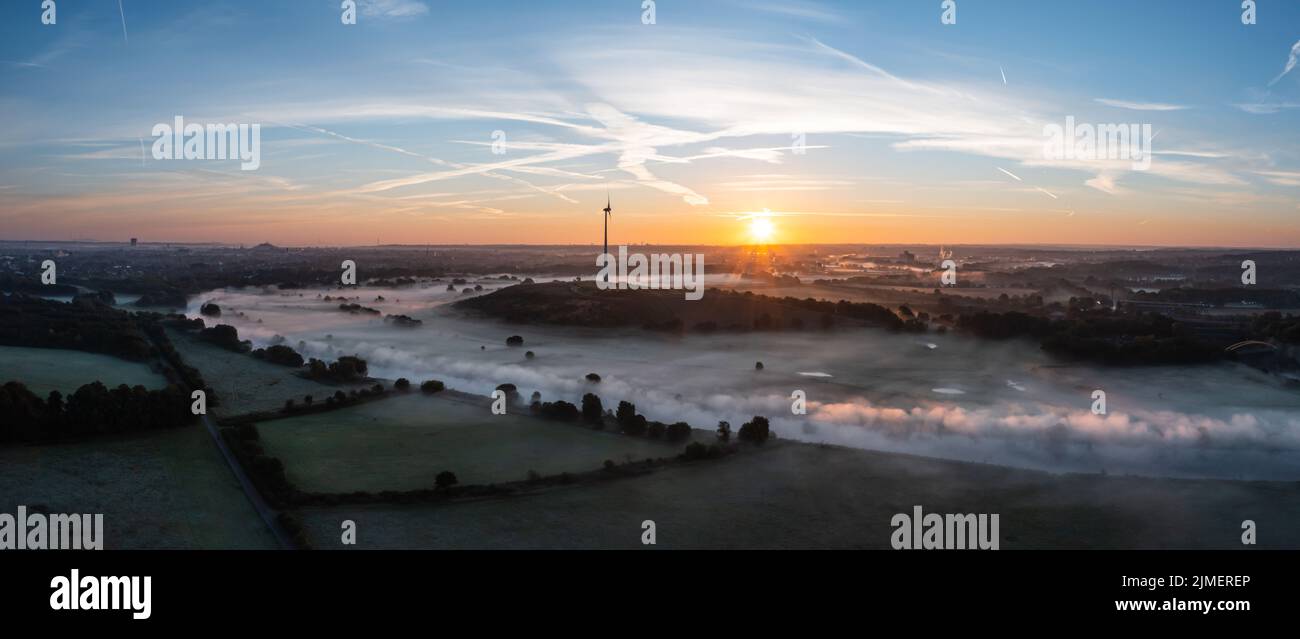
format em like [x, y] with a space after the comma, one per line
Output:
[161, 489]
[791, 495]
[47, 369]
[403, 442]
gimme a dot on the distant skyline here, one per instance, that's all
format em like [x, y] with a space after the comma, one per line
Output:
[833, 122]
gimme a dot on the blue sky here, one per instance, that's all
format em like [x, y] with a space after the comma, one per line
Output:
[383, 130]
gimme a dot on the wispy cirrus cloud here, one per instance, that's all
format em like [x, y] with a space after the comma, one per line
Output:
[1140, 106]
[393, 8]
[1290, 63]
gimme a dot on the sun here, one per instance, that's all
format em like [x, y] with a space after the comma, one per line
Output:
[761, 229]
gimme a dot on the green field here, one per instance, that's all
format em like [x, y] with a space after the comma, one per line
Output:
[162, 489]
[793, 495]
[243, 383]
[46, 369]
[402, 443]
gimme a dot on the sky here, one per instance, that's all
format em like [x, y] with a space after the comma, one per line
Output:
[499, 122]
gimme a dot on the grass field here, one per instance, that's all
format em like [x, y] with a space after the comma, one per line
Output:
[243, 383]
[402, 443]
[793, 495]
[162, 489]
[46, 369]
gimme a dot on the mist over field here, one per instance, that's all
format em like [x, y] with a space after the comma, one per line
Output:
[946, 396]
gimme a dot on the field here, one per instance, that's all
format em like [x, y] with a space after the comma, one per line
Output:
[163, 489]
[402, 443]
[46, 369]
[793, 495]
[244, 384]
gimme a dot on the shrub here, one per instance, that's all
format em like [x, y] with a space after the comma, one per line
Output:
[678, 431]
[756, 430]
[656, 430]
[445, 479]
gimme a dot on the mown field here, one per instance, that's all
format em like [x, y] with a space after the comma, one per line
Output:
[47, 369]
[793, 495]
[403, 442]
[245, 384]
[162, 489]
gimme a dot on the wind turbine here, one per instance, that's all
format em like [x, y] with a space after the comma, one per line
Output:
[608, 210]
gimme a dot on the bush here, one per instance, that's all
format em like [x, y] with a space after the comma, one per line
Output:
[514, 340]
[560, 410]
[432, 386]
[626, 411]
[348, 368]
[593, 378]
[402, 384]
[279, 354]
[696, 451]
[756, 430]
[724, 431]
[656, 430]
[637, 426]
[445, 479]
[678, 431]
[225, 336]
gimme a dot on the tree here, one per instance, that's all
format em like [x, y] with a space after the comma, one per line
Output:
[626, 412]
[445, 479]
[656, 430]
[724, 431]
[637, 426]
[402, 384]
[678, 431]
[756, 430]
[592, 409]
[432, 386]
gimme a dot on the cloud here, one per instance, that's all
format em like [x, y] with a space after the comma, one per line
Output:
[393, 8]
[1281, 178]
[1290, 63]
[1140, 106]
[1105, 183]
[1266, 108]
[801, 10]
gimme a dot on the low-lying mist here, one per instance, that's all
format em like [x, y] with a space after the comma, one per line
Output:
[947, 396]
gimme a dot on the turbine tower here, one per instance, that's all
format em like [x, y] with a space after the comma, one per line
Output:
[608, 210]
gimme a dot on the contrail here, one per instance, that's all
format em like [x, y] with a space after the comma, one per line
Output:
[1004, 76]
[1017, 177]
[123, 14]
[1290, 62]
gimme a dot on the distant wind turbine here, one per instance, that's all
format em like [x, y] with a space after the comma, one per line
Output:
[608, 209]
